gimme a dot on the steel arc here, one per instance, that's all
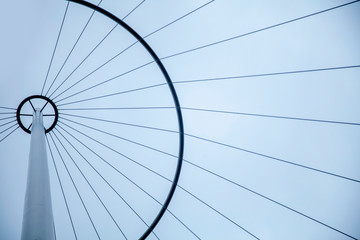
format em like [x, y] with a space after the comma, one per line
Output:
[176, 103]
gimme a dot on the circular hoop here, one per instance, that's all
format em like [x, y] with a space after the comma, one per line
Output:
[18, 112]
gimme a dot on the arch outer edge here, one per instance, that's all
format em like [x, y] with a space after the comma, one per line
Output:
[176, 102]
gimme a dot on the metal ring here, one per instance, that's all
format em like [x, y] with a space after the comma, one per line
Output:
[56, 112]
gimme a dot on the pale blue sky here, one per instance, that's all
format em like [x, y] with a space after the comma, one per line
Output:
[331, 39]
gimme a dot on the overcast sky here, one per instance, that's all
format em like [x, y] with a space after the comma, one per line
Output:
[248, 187]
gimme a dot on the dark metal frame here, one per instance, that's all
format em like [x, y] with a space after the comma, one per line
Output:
[176, 102]
[18, 112]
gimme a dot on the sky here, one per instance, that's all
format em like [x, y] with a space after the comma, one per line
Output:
[242, 175]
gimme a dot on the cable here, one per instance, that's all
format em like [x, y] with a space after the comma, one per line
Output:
[201, 80]
[111, 95]
[159, 29]
[8, 113]
[215, 111]
[121, 123]
[7, 123]
[114, 108]
[126, 177]
[126, 157]
[8, 108]
[212, 141]
[9, 133]
[72, 49]
[302, 214]
[273, 158]
[93, 71]
[87, 56]
[270, 199]
[217, 211]
[57, 40]
[266, 74]
[88, 185]
[1, 119]
[124, 139]
[8, 128]
[178, 19]
[158, 174]
[102, 178]
[61, 187]
[133, 10]
[101, 83]
[259, 30]
[271, 116]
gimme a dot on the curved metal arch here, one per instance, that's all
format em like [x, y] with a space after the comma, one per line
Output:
[176, 102]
